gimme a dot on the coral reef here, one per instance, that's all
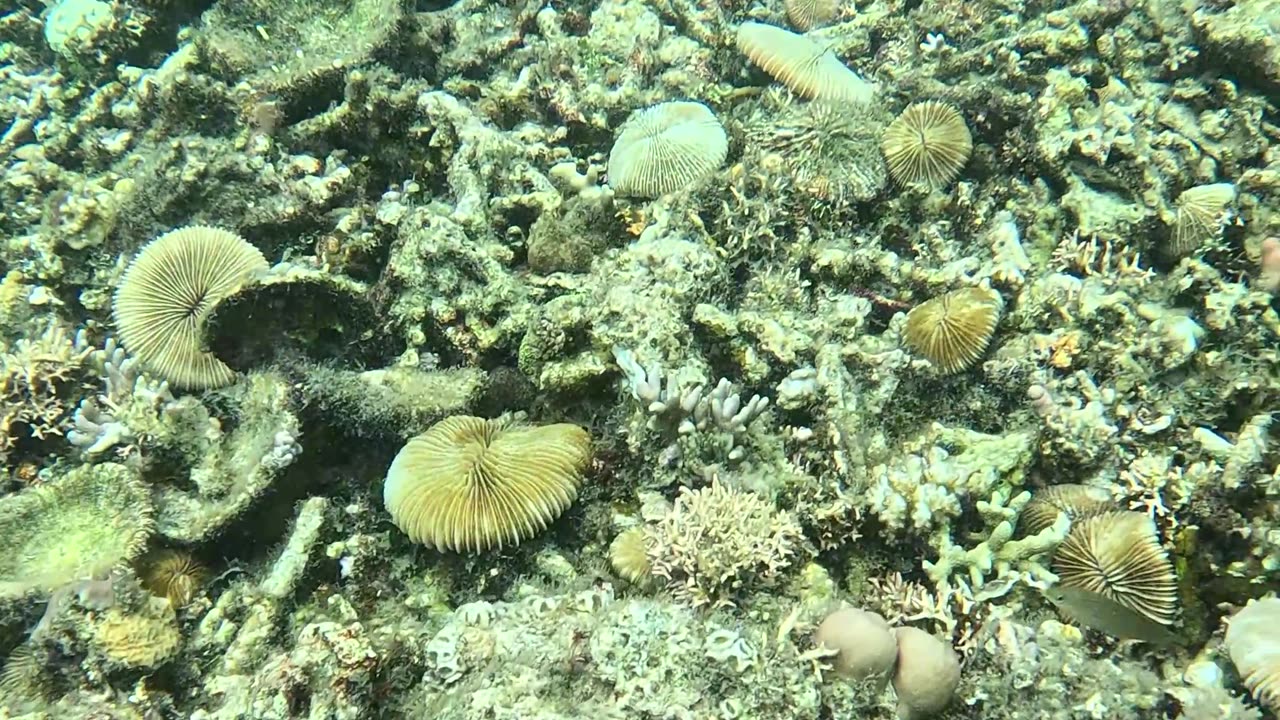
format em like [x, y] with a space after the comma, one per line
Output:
[960, 313]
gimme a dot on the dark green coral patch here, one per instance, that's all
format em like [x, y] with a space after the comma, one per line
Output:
[294, 315]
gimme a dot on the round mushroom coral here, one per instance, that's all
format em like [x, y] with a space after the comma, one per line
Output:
[927, 145]
[665, 148]
[168, 290]
[953, 330]
[470, 484]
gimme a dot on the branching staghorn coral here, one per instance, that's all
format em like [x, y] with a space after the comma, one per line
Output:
[134, 413]
[132, 408]
[33, 375]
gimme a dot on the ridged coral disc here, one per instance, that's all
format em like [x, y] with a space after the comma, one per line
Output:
[1118, 555]
[806, 15]
[927, 145]
[165, 294]
[809, 69]
[1254, 647]
[1201, 211]
[665, 148]
[1076, 501]
[953, 330]
[471, 484]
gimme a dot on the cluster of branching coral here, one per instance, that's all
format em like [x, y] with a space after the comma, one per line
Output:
[35, 377]
[717, 541]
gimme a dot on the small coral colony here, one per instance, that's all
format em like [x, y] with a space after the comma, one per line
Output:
[349, 371]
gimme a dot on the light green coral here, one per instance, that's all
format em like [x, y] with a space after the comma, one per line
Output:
[77, 526]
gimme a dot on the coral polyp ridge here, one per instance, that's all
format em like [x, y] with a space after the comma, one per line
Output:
[628, 359]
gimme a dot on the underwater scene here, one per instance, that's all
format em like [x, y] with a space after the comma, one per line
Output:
[639, 359]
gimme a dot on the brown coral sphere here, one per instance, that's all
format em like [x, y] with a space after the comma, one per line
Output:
[165, 294]
[927, 145]
[927, 674]
[471, 484]
[953, 330]
[864, 645]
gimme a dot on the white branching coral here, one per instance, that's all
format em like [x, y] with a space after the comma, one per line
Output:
[677, 404]
[717, 541]
[993, 565]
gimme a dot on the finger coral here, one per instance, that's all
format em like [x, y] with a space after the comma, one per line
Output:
[1118, 555]
[665, 148]
[1254, 646]
[166, 292]
[953, 330]
[469, 484]
[927, 145]
[808, 68]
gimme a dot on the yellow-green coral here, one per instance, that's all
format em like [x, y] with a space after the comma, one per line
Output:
[81, 525]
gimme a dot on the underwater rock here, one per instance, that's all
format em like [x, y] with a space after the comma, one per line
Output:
[293, 314]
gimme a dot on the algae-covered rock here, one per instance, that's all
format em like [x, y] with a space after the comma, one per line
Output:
[394, 402]
[294, 313]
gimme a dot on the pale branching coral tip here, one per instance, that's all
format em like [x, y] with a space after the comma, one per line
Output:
[808, 68]
[665, 148]
[953, 330]
[1118, 555]
[470, 484]
[167, 291]
[927, 145]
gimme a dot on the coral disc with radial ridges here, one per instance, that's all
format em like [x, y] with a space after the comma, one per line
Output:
[470, 484]
[167, 291]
